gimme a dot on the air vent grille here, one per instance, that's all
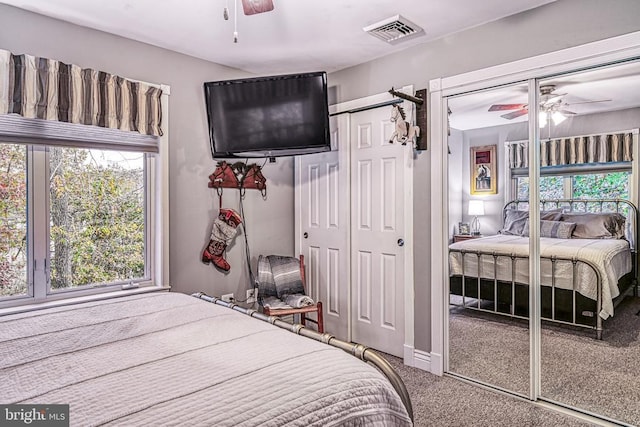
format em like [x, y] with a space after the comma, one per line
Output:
[394, 30]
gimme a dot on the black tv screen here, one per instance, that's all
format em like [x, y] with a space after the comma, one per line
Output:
[272, 116]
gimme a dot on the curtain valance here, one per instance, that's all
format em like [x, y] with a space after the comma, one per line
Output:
[604, 148]
[42, 88]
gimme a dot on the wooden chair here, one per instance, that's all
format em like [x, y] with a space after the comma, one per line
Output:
[303, 311]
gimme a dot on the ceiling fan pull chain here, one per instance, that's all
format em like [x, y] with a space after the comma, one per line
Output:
[235, 21]
[225, 13]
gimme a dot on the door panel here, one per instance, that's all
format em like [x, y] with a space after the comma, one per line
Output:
[324, 230]
[596, 375]
[377, 184]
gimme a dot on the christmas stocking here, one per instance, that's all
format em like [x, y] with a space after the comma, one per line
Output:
[224, 229]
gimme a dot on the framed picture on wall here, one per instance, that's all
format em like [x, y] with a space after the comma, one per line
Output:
[484, 179]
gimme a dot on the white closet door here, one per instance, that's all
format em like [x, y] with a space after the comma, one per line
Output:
[377, 226]
[323, 226]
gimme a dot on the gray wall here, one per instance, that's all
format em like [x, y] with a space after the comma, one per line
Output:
[192, 203]
[459, 196]
[555, 26]
[270, 223]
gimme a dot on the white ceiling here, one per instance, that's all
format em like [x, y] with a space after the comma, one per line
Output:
[298, 35]
[617, 87]
[327, 35]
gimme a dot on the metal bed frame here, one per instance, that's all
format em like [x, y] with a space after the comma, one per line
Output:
[595, 206]
[357, 350]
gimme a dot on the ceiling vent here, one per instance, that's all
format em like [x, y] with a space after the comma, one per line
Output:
[394, 30]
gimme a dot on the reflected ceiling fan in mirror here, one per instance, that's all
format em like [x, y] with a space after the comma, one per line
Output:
[552, 106]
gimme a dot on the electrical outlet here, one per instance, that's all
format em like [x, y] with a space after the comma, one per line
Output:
[227, 298]
[251, 295]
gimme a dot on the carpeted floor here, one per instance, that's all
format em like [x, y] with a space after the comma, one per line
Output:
[599, 376]
[445, 401]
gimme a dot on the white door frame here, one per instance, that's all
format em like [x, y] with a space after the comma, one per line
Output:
[345, 107]
[589, 55]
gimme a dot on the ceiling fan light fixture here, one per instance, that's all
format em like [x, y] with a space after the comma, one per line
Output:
[542, 119]
[558, 117]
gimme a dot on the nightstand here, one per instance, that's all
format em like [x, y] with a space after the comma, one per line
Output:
[461, 237]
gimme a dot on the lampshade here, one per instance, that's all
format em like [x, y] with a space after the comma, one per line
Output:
[558, 117]
[542, 118]
[476, 207]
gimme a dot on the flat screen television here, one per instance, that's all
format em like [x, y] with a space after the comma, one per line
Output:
[273, 116]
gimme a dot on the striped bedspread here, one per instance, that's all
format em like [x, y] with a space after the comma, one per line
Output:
[171, 359]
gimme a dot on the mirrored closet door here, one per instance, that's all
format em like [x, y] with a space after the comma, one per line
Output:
[488, 326]
[560, 180]
[590, 328]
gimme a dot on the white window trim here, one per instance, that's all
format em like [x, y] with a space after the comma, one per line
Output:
[157, 167]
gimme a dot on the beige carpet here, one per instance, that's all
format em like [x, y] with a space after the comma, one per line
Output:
[445, 401]
[599, 376]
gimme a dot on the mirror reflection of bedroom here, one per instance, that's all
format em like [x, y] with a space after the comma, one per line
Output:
[586, 188]
[488, 335]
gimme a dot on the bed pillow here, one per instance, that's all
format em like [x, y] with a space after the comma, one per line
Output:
[553, 229]
[514, 222]
[552, 215]
[596, 225]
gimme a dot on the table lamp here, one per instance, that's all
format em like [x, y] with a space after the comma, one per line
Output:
[476, 208]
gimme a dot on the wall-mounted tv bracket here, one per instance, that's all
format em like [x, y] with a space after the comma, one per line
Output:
[421, 114]
[240, 176]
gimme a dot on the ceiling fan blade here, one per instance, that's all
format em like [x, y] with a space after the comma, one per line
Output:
[567, 112]
[515, 114]
[589, 102]
[504, 107]
[251, 7]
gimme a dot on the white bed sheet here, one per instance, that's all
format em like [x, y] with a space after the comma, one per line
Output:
[172, 359]
[612, 257]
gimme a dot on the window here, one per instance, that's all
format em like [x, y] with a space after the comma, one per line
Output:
[609, 185]
[613, 185]
[13, 220]
[83, 184]
[96, 217]
[551, 187]
[91, 235]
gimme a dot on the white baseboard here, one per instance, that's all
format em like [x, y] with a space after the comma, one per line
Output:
[436, 364]
[408, 355]
[422, 360]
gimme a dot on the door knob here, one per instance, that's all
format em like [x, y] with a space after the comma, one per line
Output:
[305, 235]
[400, 242]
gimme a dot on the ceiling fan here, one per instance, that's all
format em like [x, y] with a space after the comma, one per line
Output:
[551, 106]
[251, 7]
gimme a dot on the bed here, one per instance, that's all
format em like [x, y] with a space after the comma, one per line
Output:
[165, 358]
[588, 262]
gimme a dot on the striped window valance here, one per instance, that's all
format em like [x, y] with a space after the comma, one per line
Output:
[42, 88]
[604, 148]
